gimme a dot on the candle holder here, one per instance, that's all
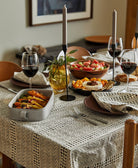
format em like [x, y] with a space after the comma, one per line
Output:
[66, 97]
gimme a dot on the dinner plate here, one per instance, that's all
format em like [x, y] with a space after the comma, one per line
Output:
[26, 85]
[80, 91]
[98, 39]
[91, 103]
[85, 92]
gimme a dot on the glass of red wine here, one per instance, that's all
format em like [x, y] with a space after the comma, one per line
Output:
[30, 64]
[128, 64]
[115, 50]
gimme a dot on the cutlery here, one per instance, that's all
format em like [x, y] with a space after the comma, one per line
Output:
[9, 89]
[84, 115]
[76, 110]
[101, 120]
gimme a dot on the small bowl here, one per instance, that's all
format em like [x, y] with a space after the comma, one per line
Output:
[79, 74]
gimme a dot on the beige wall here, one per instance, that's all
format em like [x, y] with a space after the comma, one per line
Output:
[15, 33]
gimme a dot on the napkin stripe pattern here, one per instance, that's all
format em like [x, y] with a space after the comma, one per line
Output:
[119, 102]
[13, 139]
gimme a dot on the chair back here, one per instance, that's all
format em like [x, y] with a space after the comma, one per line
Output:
[130, 140]
[79, 53]
[7, 70]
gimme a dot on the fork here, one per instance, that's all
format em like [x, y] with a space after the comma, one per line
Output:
[84, 115]
[77, 112]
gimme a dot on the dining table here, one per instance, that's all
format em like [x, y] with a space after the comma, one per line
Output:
[64, 140]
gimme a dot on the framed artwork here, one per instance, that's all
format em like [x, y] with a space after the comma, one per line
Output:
[50, 11]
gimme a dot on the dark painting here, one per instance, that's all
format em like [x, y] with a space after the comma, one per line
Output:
[50, 7]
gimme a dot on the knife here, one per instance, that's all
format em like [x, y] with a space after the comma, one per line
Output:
[9, 89]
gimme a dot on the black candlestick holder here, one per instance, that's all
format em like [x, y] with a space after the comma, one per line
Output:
[66, 97]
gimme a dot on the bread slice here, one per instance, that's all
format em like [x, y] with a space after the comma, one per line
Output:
[123, 78]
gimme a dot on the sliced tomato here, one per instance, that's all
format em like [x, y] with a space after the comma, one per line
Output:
[102, 64]
[73, 65]
[95, 61]
[87, 68]
[96, 66]
[86, 63]
[78, 65]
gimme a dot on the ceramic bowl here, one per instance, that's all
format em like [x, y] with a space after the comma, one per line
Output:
[79, 74]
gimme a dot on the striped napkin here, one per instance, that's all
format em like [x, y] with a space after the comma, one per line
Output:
[38, 79]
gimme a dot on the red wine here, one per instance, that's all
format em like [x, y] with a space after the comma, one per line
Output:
[128, 67]
[30, 71]
[117, 52]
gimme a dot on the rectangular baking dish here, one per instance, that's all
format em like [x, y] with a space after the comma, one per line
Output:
[31, 114]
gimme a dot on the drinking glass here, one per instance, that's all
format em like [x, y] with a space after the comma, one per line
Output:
[30, 64]
[128, 64]
[115, 50]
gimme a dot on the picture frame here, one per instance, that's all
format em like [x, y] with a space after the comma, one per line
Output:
[50, 11]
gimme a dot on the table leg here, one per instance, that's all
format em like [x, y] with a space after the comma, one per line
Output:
[7, 162]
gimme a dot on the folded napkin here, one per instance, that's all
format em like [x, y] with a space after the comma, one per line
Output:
[102, 56]
[117, 102]
[38, 79]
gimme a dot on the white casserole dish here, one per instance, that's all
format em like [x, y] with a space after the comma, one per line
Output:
[31, 114]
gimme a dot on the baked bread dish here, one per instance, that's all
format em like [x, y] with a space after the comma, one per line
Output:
[135, 72]
[123, 78]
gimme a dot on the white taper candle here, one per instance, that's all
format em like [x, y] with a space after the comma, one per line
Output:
[64, 25]
[114, 26]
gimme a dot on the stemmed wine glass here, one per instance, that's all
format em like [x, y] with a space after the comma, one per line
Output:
[128, 64]
[115, 50]
[30, 64]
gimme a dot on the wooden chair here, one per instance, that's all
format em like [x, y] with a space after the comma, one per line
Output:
[7, 70]
[7, 162]
[130, 140]
[79, 53]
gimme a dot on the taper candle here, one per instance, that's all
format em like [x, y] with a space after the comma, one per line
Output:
[64, 25]
[114, 26]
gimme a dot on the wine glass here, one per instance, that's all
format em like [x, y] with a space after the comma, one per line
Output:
[115, 50]
[30, 64]
[128, 64]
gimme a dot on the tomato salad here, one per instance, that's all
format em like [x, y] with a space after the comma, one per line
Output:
[90, 65]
